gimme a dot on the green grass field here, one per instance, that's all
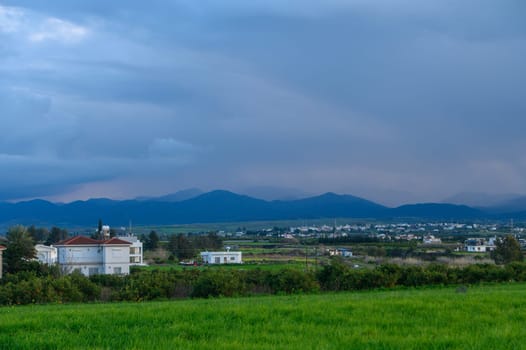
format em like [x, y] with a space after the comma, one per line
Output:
[486, 317]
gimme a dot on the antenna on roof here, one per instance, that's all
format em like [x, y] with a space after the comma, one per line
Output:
[130, 229]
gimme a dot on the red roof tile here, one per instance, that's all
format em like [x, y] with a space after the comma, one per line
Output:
[115, 241]
[81, 240]
[78, 240]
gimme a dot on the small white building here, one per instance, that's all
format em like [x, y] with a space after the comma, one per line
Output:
[346, 253]
[90, 256]
[46, 254]
[479, 245]
[227, 257]
[430, 239]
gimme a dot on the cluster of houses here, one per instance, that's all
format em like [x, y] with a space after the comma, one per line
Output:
[110, 255]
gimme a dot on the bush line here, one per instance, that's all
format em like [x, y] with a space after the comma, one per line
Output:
[46, 286]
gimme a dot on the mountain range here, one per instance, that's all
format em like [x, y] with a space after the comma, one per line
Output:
[194, 206]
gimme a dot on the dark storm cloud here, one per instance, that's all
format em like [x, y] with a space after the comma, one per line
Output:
[387, 99]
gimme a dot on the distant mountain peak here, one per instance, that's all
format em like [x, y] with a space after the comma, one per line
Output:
[477, 199]
[178, 196]
[226, 206]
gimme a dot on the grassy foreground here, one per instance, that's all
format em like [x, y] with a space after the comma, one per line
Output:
[486, 317]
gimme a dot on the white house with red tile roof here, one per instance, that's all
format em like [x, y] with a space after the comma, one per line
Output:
[2, 248]
[90, 256]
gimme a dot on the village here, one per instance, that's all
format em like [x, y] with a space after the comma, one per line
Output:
[362, 243]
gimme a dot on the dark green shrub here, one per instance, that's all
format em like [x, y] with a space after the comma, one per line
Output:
[291, 281]
[217, 282]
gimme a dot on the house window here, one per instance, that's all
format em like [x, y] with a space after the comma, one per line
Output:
[117, 270]
[217, 260]
[93, 271]
[232, 258]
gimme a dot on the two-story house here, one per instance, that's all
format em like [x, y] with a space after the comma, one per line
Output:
[90, 256]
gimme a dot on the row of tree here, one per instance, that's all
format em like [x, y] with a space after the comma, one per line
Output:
[45, 236]
[47, 285]
[183, 246]
[186, 247]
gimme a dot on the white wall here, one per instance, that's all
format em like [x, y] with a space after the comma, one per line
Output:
[83, 258]
[221, 257]
[115, 258]
[46, 254]
[136, 250]
[477, 248]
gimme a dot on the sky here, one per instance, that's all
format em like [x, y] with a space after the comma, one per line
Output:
[393, 100]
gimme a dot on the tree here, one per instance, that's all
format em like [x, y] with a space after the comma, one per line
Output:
[210, 241]
[144, 240]
[98, 234]
[39, 234]
[20, 249]
[180, 246]
[214, 241]
[56, 235]
[507, 250]
[152, 242]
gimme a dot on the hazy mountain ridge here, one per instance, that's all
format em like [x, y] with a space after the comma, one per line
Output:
[174, 197]
[225, 206]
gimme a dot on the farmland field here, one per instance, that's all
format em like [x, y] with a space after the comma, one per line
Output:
[483, 317]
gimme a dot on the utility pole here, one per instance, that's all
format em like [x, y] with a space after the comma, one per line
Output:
[306, 266]
[316, 258]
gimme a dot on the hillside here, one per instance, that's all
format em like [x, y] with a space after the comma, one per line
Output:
[225, 206]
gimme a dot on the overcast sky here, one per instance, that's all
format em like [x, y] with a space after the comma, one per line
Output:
[392, 100]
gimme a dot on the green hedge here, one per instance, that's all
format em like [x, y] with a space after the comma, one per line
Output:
[141, 285]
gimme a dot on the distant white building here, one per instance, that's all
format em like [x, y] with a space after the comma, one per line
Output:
[90, 257]
[479, 245]
[227, 257]
[430, 239]
[46, 254]
[346, 253]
